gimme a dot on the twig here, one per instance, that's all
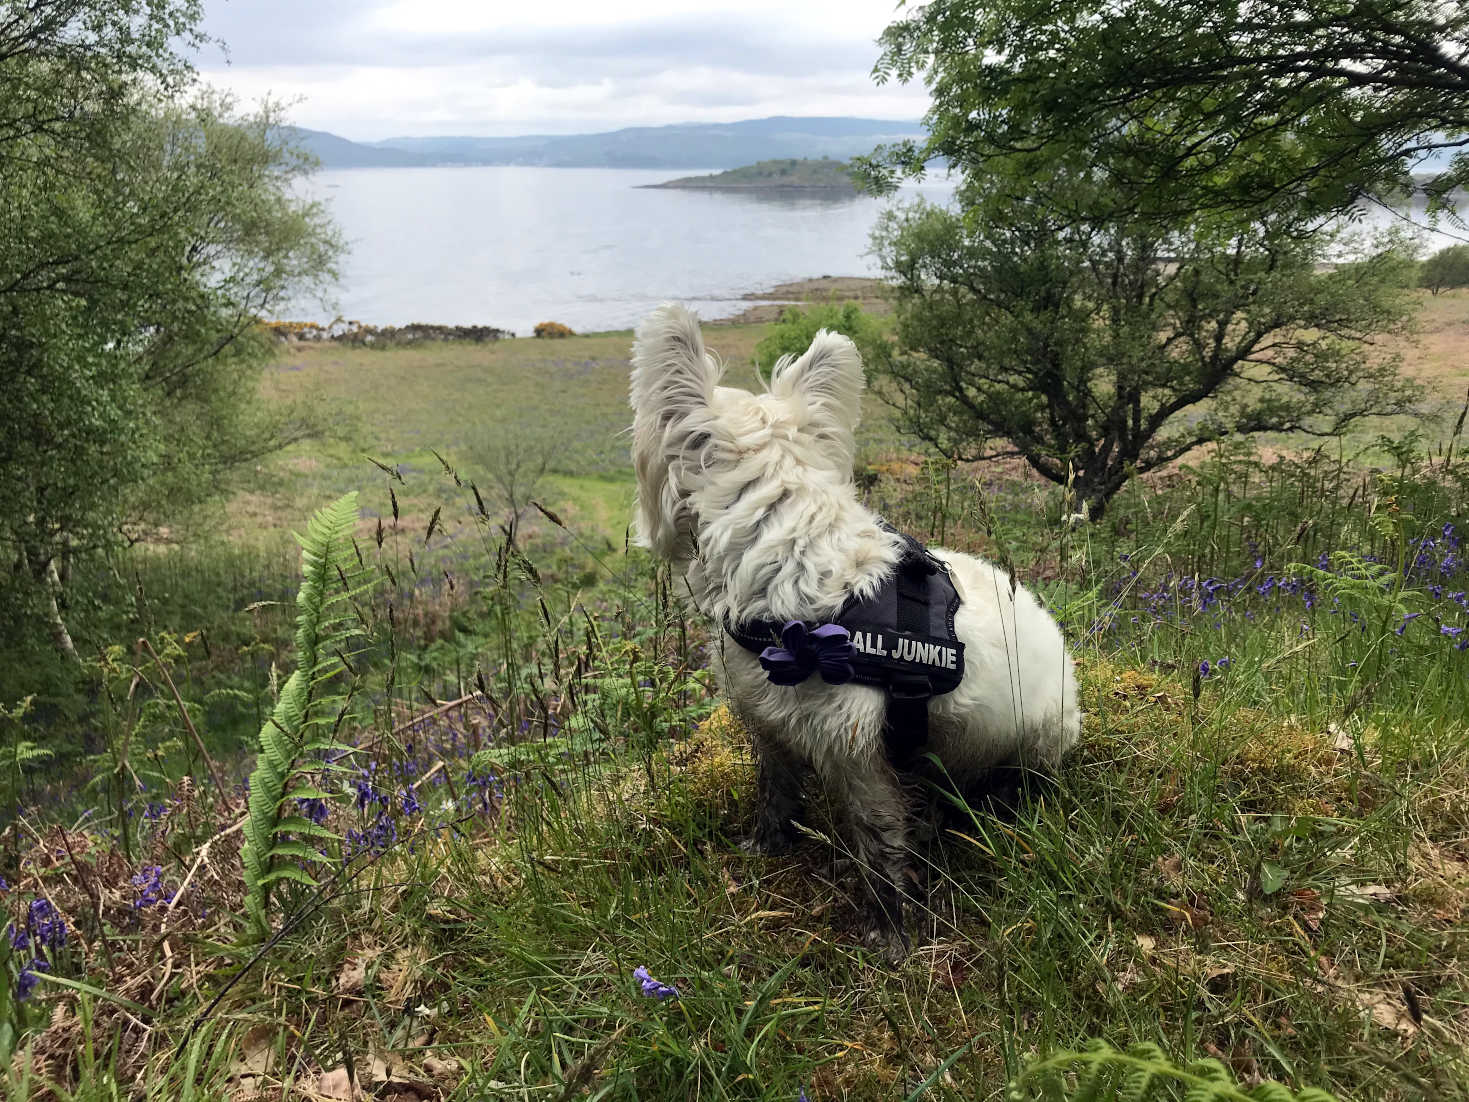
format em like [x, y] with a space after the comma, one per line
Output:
[189, 723]
[203, 853]
[442, 708]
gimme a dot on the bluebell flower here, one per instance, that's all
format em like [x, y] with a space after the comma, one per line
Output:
[377, 838]
[26, 982]
[411, 806]
[653, 989]
[1204, 668]
[149, 883]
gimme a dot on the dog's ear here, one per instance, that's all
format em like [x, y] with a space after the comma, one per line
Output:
[828, 378]
[673, 379]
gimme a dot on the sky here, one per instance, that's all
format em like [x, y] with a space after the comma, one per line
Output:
[372, 69]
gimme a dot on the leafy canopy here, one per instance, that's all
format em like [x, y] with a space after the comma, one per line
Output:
[148, 225]
[1446, 269]
[1097, 349]
[1192, 105]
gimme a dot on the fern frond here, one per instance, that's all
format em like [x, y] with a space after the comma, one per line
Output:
[1141, 1074]
[270, 852]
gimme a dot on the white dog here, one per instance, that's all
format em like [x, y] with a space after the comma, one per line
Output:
[752, 495]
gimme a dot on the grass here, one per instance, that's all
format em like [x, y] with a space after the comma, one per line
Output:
[1265, 864]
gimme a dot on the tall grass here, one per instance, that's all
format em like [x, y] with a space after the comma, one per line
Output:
[1264, 866]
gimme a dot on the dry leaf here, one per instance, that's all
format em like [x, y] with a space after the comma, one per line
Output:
[1341, 738]
[1388, 1011]
[1170, 868]
[1146, 942]
[1365, 893]
[441, 1067]
[1183, 913]
[353, 977]
[1307, 906]
[337, 1084]
[257, 1054]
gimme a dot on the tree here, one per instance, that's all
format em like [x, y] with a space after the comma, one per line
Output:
[148, 225]
[1446, 269]
[1192, 105]
[1097, 349]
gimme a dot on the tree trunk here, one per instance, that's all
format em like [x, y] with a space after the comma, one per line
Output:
[50, 580]
[59, 635]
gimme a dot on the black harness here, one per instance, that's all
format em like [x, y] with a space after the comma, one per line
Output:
[902, 640]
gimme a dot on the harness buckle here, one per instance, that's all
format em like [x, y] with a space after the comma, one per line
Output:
[910, 688]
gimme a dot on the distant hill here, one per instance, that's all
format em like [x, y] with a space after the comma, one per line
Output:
[785, 174]
[684, 145]
[335, 152]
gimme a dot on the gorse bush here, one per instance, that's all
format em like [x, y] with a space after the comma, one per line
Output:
[793, 333]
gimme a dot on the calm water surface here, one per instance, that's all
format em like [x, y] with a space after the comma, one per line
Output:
[510, 246]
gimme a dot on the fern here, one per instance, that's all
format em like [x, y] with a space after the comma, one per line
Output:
[272, 849]
[1101, 1073]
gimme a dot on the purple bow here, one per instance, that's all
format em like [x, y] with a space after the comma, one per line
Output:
[827, 648]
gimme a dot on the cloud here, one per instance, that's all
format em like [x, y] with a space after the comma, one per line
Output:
[369, 70]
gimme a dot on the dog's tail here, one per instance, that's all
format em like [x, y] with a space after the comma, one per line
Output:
[673, 379]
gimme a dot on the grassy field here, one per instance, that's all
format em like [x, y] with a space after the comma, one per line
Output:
[1257, 860]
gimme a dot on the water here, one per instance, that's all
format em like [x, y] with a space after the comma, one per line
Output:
[513, 246]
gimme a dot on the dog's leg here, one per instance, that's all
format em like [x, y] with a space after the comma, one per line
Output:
[778, 798]
[876, 814]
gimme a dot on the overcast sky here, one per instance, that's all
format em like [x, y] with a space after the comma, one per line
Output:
[368, 69]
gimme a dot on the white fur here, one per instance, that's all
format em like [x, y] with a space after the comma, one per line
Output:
[753, 495]
[767, 498]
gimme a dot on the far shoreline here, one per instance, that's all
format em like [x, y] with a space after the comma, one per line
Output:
[766, 306]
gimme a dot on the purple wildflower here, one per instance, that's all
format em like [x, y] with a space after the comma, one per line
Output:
[653, 989]
[411, 806]
[1204, 668]
[44, 928]
[149, 883]
[377, 838]
[26, 982]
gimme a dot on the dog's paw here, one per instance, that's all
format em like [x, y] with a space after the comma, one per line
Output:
[891, 943]
[769, 843]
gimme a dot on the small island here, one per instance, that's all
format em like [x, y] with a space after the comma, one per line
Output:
[786, 174]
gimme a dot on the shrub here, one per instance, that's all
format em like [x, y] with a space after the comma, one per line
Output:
[796, 328]
[551, 329]
[1445, 269]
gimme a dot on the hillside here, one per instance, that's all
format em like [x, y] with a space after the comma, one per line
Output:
[683, 145]
[785, 174]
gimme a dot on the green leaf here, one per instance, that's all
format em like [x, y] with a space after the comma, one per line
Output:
[1272, 877]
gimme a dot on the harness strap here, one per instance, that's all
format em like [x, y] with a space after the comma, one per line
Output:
[905, 732]
[903, 649]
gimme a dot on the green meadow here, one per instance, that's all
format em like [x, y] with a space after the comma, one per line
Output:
[1255, 867]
